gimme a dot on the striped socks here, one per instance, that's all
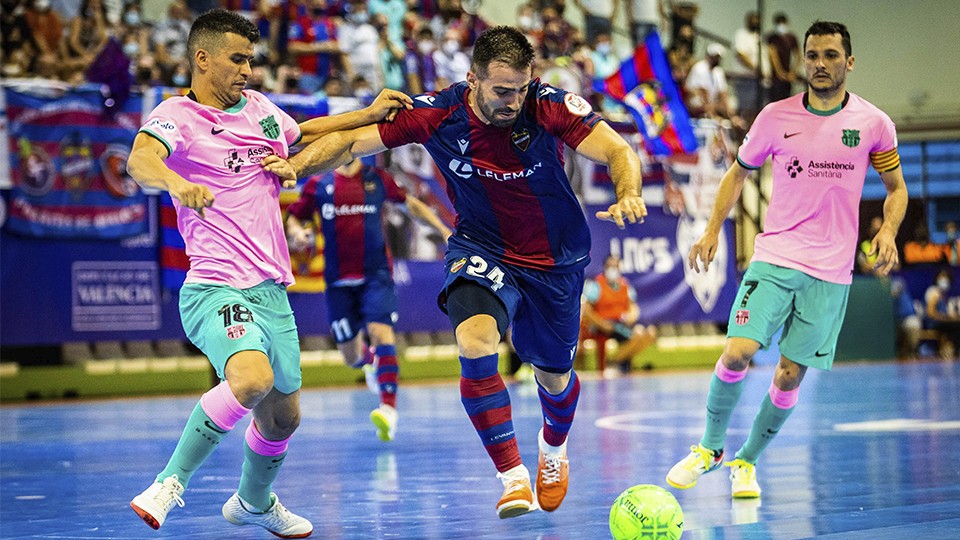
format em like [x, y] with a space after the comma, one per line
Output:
[558, 410]
[485, 398]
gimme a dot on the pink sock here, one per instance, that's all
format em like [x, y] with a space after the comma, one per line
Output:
[728, 375]
[262, 446]
[784, 399]
[222, 406]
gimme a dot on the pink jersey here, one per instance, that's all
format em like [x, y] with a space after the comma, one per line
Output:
[819, 166]
[240, 242]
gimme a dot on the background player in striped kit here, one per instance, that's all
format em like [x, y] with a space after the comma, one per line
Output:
[205, 149]
[358, 269]
[521, 240]
[822, 142]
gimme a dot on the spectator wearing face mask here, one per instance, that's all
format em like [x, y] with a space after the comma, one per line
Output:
[605, 63]
[610, 309]
[452, 64]
[785, 59]
[421, 70]
[134, 34]
[361, 43]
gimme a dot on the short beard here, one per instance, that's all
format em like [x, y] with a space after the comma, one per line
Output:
[828, 92]
[491, 114]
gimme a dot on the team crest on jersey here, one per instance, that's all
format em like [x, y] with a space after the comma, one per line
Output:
[742, 317]
[369, 187]
[521, 139]
[851, 137]
[577, 105]
[270, 127]
[236, 331]
[458, 265]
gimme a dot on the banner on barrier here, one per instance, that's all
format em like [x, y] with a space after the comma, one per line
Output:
[68, 166]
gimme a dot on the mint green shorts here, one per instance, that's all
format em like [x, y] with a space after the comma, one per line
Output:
[810, 311]
[222, 321]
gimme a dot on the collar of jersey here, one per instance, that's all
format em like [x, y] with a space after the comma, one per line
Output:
[232, 110]
[818, 112]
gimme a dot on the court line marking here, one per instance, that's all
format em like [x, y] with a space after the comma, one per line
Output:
[898, 424]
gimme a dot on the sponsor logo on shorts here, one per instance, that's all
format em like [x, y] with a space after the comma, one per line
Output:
[458, 265]
[236, 331]
[742, 317]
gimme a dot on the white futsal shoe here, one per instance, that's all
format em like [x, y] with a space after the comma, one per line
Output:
[277, 519]
[156, 501]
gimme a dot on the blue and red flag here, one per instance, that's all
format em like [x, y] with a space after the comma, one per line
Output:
[645, 86]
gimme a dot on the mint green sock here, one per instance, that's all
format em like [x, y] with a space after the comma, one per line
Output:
[199, 439]
[259, 472]
[766, 425]
[721, 400]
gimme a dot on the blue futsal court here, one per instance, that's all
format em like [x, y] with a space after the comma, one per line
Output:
[872, 452]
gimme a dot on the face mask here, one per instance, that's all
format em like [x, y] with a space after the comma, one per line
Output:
[612, 274]
[425, 47]
[603, 48]
[131, 48]
[180, 80]
[132, 18]
[943, 283]
[360, 17]
[951, 235]
[450, 46]
[782, 29]
[42, 5]
[525, 22]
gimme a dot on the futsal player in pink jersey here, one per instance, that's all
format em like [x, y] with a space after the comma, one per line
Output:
[205, 149]
[821, 142]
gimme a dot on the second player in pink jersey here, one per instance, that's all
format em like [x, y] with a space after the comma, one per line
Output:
[821, 144]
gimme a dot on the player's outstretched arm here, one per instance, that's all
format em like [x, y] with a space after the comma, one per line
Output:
[146, 166]
[605, 146]
[385, 107]
[894, 207]
[705, 249]
[421, 210]
[326, 153]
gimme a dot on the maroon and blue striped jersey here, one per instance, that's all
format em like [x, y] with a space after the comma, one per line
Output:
[508, 186]
[351, 217]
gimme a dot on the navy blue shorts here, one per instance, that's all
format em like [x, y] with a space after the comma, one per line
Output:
[544, 307]
[352, 307]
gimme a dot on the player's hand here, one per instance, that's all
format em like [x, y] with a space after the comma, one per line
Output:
[300, 240]
[388, 104]
[705, 250]
[193, 196]
[630, 208]
[282, 168]
[884, 247]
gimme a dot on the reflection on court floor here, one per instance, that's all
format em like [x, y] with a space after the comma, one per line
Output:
[871, 452]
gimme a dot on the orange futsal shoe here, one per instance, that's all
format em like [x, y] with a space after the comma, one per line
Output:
[517, 498]
[553, 474]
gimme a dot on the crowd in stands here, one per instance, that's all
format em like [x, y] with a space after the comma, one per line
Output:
[357, 47]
